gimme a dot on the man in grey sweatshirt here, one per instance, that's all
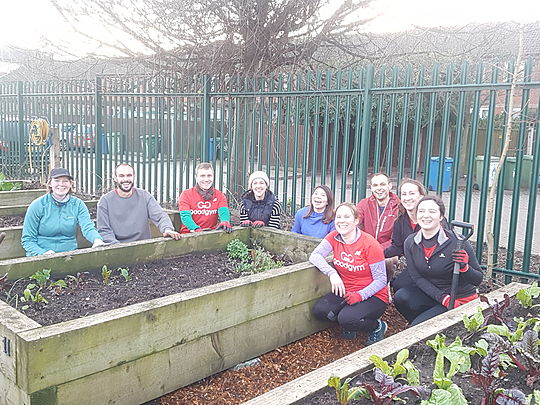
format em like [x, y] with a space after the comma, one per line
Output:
[123, 213]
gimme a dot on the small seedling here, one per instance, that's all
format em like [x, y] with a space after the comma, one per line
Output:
[124, 272]
[236, 249]
[344, 394]
[105, 274]
[30, 296]
[58, 284]
[41, 277]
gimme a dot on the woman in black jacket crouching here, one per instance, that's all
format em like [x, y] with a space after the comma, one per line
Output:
[431, 253]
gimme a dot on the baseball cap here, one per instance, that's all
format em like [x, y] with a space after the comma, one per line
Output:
[60, 172]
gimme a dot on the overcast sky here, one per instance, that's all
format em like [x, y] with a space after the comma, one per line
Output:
[25, 23]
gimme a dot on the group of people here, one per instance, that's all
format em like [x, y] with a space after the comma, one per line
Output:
[366, 243]
[123, 214]
[365, 239]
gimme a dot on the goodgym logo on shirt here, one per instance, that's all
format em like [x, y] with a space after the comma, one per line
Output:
[346, 262]
[347, 257]
[204, 208]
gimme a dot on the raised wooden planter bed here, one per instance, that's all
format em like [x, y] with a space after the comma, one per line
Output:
[140, 352]
[358, 362]
[11, 246]
[20, 209]
[20, 197]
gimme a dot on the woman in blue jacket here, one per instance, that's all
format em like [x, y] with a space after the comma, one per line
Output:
[50, 224]
[317, 219]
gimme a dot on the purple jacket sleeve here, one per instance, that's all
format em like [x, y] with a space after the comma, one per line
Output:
[318, 258]
[378, 272]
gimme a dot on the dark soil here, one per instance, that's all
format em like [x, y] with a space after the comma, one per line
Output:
[34, 185]
[8, 221]
[87, 294]
[423, 358]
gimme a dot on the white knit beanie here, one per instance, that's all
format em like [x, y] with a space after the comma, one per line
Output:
[258, 175]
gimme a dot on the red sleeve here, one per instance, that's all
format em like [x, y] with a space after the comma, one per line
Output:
[374, 250]
[221, 199]
[360, 208]
[184, 203]
[330, 238]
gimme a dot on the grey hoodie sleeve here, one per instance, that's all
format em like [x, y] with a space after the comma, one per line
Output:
[318, 258]
[157, 215]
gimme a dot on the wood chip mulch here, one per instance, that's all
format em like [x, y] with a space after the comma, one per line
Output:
[276, 368]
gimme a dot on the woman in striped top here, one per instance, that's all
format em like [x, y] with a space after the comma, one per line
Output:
[259, 206]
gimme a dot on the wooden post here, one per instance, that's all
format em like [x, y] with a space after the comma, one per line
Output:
[55, 157]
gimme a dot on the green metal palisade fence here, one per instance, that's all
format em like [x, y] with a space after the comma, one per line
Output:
[303, 129]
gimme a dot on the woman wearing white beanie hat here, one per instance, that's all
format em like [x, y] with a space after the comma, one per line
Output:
[259, 206]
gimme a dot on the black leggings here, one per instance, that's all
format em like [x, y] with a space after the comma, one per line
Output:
[360, 317]
[416, 306]
[403, 279]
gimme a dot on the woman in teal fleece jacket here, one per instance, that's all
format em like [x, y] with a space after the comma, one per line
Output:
[50, 223]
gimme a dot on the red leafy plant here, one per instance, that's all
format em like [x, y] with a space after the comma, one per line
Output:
[383, 392]
[489, 378]
[524, 353]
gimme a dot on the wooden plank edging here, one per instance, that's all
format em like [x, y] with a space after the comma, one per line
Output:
[358, 361]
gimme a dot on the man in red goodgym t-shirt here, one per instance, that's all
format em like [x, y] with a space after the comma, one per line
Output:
[203, 207]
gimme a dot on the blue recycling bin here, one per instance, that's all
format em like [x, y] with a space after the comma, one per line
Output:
[434, 173]
[215, 142]
[211, 149]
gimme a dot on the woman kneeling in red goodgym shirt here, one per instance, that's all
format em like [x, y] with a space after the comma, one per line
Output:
[358, 276]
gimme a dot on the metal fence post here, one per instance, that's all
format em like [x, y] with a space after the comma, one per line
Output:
[205, 130]
[366, 134]
[99, 147]
[20, 108]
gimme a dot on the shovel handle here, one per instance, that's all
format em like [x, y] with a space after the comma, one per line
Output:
[467, 227]
[468, 230]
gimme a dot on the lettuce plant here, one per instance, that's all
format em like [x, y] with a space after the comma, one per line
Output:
[456, 354]
[451, 395]
[41, 277]
[526, 295]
